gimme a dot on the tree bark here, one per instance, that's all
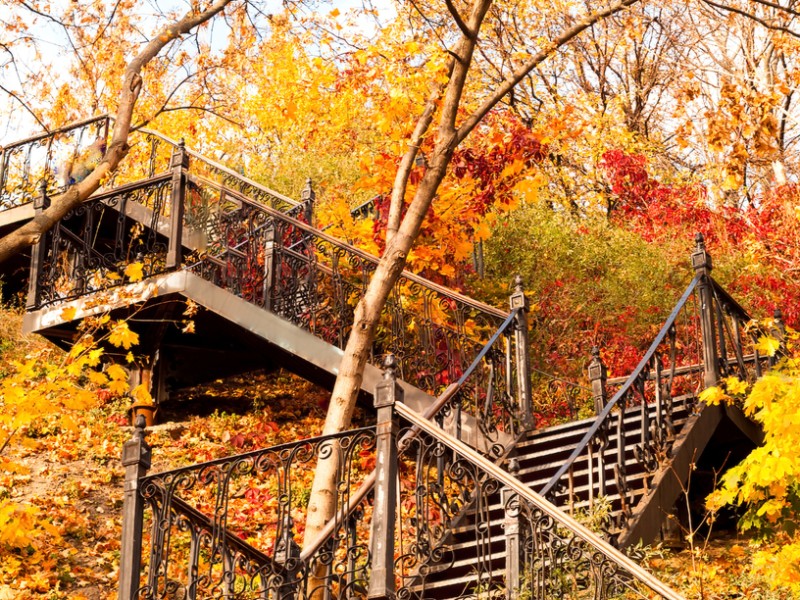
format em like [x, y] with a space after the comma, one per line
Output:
[348, 382]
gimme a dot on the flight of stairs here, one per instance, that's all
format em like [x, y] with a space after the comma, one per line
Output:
[251, 270]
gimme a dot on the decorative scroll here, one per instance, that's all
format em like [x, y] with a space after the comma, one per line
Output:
[90, 247]
[55, 160]
[464, 536]
[315, 281]
[224, 529]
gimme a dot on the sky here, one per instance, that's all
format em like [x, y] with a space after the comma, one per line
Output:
[16, 123]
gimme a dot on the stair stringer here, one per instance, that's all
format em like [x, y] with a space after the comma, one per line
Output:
[270, 327]
[670, 480]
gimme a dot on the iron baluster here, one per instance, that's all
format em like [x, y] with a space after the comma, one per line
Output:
[778, 331]
[308, 197]
[519, 301]
[179, 164]
[41, 203]
[511, 529]
[287, 553]
[598, 376]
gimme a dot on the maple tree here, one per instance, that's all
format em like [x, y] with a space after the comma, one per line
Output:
[767, 481]
[457, 88]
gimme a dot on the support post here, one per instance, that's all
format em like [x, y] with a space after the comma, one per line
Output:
[136, 458]
[40, 204]
[387, 392]
[524, 395]
[270, 259]
[179, 163]
[287, 551]
[778, 331]
[701, 261]
[511, 529]
[598, 375]
[308, 197]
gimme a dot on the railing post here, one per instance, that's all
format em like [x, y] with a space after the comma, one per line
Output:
[524, 400]
[387, 392]
[179, 163]
[778, 331]
[286, 554]
[136, 457]
[511, 529]
[40, 204]
[308, 197]
[270, 259]
[701, 261]
[598, 375]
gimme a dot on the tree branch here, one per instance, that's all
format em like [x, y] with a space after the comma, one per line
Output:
[752, 17]
[407, 163]
[512, 80]
[25, 106]
[459, 21]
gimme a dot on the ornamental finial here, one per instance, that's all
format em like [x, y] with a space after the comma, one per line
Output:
[389, 366]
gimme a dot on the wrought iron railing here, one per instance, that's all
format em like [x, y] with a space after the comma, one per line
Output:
[224, 528]
[151, 154]
[315, 281]
[56, 159]
[706, 337]
[513, 544]
[67, 154]
[89, 248]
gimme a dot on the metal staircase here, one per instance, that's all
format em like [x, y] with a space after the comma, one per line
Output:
[469, 510]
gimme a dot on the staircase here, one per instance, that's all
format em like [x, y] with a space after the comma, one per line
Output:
[273, 291]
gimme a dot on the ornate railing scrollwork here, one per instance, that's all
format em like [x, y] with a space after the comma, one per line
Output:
[56, 158]
[315, 281]
[225, 528]
[453, 502]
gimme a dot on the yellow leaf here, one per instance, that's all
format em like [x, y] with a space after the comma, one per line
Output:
[134, 271]
[68, 313]
[121, 335]
[141, 394]
[713, 395]
[734, 385]
[97, 378]
[117, 373]
[768, 345]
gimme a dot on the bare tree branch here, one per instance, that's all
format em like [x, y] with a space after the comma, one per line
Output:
[752, 17]
[26, 107]
[512, 80]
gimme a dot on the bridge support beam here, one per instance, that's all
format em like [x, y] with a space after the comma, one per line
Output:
[387, 392]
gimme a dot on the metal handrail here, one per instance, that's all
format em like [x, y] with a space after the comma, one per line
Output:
[430, 413]
[626, 387]
[366, 256]
[600, 545]
[53, 132]
[219, 166]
